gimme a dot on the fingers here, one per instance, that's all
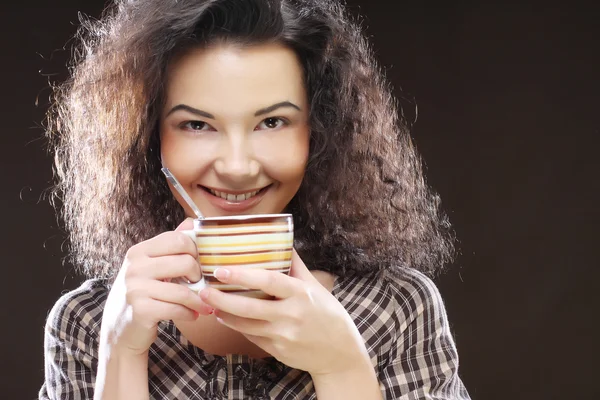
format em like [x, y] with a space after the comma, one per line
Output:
[171, 293]
[155, 311]
[274, 283]
[241, 306]
[253, 327]
[166, 243]
[168, 267]
[164, 268]
[187, 224]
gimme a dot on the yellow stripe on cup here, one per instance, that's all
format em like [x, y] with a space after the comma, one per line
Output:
[245, 258]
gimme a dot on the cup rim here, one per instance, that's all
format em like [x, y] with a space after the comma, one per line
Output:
[243, 217]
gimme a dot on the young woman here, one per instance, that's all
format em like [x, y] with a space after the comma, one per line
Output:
[257, 107]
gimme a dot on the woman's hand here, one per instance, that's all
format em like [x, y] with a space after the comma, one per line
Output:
[305, 327]
[142, 295]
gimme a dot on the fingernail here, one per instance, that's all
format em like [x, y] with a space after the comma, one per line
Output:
[203, 294]
[222, 274]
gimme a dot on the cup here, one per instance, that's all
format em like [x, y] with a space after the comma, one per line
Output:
[241, 241]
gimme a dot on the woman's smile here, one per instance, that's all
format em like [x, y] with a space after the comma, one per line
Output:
[235, 200]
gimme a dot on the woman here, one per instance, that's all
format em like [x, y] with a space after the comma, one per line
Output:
[257, 106]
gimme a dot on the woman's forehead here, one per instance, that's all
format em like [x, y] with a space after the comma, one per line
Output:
[236, 77]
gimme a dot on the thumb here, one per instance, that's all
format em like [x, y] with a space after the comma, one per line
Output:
[187, 224]
[299, 269]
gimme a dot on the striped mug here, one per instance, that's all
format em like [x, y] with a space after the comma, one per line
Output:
[241, 241]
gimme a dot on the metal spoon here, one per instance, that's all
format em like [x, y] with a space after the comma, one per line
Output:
[182, 192]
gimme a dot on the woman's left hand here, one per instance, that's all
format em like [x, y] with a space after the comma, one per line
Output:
[305, 327]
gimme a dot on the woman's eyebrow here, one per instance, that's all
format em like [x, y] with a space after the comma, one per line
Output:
[274, 107]
[191, 110]
[208, 115]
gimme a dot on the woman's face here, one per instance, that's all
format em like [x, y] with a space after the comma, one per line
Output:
[234, 128]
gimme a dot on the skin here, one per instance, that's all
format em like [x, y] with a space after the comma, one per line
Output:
[236, 151]
[233, 146]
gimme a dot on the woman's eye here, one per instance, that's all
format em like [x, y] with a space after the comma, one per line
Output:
[271, 123]
[196, 126]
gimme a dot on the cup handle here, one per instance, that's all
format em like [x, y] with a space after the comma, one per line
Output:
[195, 286]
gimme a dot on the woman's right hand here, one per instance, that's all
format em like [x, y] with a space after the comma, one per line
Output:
[142, 294]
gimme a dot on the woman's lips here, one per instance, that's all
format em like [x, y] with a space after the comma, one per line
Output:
[235, 205]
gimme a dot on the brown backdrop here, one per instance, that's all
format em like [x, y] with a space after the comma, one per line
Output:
[508, 99]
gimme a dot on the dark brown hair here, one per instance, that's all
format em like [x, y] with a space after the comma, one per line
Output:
[363, 207]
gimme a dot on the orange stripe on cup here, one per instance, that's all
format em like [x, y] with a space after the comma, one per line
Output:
[275, 255]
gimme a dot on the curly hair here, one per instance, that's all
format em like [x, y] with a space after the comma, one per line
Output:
[363, 207]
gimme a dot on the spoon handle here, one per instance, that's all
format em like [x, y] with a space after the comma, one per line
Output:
[182, 192]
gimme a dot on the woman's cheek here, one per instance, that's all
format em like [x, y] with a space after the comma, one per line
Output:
[186, 156]
[284, 158]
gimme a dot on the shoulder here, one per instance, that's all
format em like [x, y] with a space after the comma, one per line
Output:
[405, 291]
[390, 307]
[403, 321]
[78, 312]
[414, 294]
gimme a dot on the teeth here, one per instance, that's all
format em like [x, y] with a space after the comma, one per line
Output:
[233, 197]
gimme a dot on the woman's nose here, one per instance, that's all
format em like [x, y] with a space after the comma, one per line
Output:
[236, 161]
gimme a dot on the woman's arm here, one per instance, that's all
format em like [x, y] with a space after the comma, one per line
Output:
[121, 376]
[70, 344]
[358, 383]
[76, 366]
[423, 361]
[98, 341]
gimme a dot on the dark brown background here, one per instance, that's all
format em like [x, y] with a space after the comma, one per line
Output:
[508, 99]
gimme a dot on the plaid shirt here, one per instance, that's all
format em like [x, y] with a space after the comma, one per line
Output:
[402, 321]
